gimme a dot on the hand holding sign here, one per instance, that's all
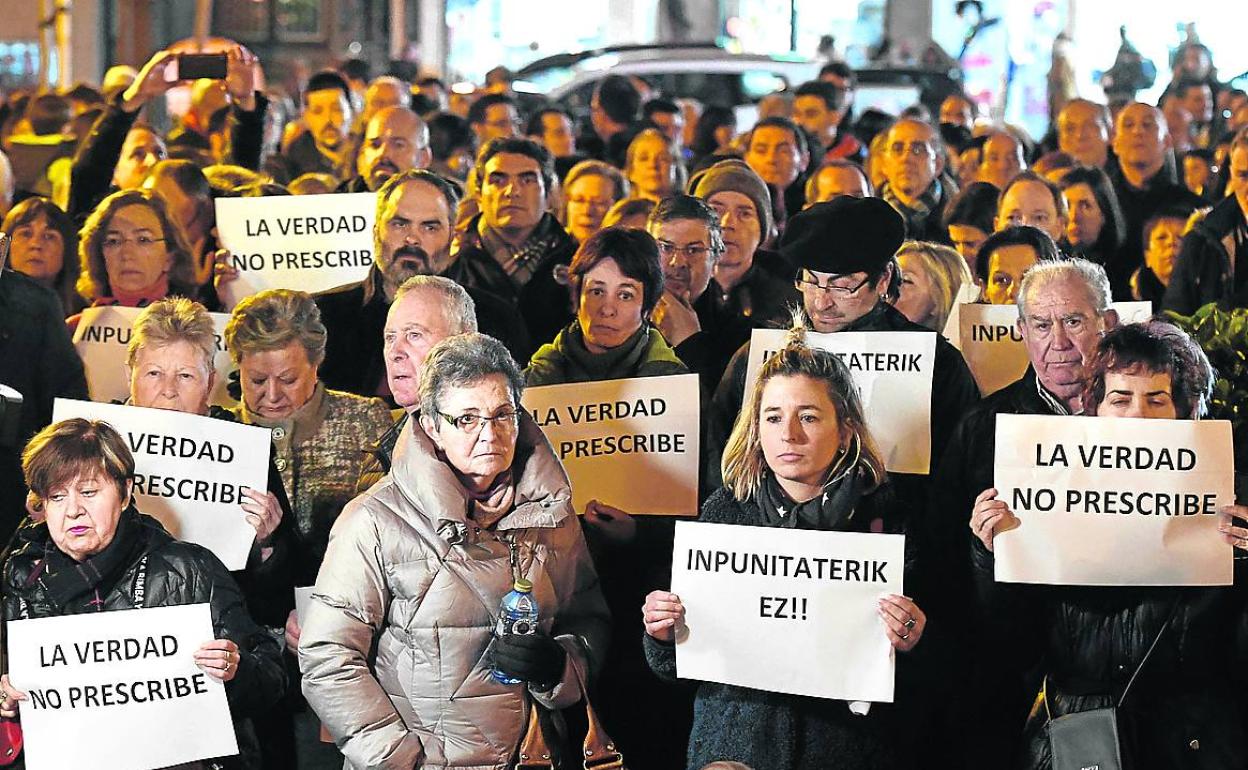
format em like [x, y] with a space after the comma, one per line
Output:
[662, 613]
[218, 659]
[616, 525]
[1233, 535]
[990, 516]
[12, 695]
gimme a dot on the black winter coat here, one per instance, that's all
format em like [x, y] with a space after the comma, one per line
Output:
[1205, 270]
[776, 731]
[545, 302]
[1186, 711]
[177, 573]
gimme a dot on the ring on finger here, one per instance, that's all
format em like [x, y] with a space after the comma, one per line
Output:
[910, 623]
[905, 636]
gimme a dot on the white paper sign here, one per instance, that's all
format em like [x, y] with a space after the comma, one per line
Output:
[101, 339]
[190, 471]
[632, 444]
[893, 372]
[1113, 502]
[118, 690]
[786, 610]
[305, 242]
[992, 345]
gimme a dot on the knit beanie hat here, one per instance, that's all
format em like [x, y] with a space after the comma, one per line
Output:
[733, 175]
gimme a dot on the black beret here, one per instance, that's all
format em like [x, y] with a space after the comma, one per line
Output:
[844, 235]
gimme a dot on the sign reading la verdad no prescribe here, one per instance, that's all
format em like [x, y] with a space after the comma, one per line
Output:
[632, 444]
[786, 610]
[118, 690]
[307, 242]
[893, 372]
[190, 471]
[1113, 502]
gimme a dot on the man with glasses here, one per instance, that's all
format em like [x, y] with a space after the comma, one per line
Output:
[914, 163]
[411, 237]
[843, 250]
[494, 116]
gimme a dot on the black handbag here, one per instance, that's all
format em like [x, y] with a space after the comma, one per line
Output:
[1088, 740]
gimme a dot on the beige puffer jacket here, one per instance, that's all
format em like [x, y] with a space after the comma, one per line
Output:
[392, 647]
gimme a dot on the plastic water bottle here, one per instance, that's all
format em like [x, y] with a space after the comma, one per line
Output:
[517, 614]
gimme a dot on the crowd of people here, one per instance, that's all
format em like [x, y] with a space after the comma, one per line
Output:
[410, 487]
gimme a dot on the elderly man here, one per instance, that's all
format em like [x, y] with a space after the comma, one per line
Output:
[834, 179]
[1144, 182]
[1001, 160]
[411, 236]
[395, 140]
[1064, 307]
[1083, 132]
[913, 163]
[426, 310]
[514, 248]
[843, 283]
[1218, 241]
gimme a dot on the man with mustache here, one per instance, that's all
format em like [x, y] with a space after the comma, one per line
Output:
[1064, 308]
[395, 140]
[323, 147]
[411, 236]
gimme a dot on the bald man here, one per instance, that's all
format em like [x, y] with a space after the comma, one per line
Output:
[1083, 132]
[1145, 180]
[395, 140]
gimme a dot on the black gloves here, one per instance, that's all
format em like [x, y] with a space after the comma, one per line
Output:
[533, 658]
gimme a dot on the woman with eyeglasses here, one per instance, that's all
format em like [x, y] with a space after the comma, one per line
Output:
[399, 641]
[590, 189]
[617, 282]
[133, 253]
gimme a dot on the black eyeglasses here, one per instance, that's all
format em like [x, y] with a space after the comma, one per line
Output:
[840, 291]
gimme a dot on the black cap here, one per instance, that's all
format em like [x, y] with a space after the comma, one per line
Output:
[844, 235]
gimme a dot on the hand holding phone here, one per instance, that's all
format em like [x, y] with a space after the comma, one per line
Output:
[194, 66]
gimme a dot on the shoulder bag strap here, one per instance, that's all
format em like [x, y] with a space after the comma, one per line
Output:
[1174, 608]
[599, 750]
[534, 753]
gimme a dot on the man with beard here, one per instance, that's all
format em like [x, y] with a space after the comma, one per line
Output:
[323, 147]
[395, 140]
[411, 236]
[1064, 308]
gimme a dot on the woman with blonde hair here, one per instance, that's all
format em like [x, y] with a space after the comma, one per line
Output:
[800, 457]
[590, 189]
[931, 277]
[653, 165]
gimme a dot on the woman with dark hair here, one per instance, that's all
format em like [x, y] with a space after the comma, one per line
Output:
[45, 247]
[133, 253]
[1005, 256]
[1096, 228]
[1186, 708]
[969, 219]
[717, 126]
[800, 457]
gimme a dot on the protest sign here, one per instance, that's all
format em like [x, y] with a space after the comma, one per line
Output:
[786, 610]
[632, 444]
[893, 372]
[1113, 502]
[190, 471]
[101, 339]
[303, 597]
[305, 242]
[992, 344]
[118, 690]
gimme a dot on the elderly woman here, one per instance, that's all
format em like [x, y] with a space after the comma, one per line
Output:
[1096, 227]
[170, 365]
[590, 189]
[133, 253]
[800, 457]
[616, 279]
[396, 645]
[45, 247]
[653, 165]
[1005, 256]
[277, 340]
[931, 277]
[93, 548]
[1186, 709]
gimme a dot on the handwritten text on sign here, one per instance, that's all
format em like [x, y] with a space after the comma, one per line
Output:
[306, 242]
[1113, 501]
[633, 444]
[120, 678]
[893, 372]
[992, 344]
[786, 610]
[190, 471]
[101, 340]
